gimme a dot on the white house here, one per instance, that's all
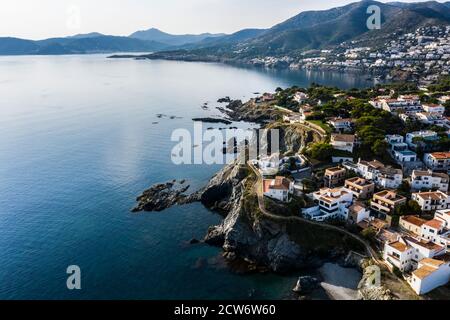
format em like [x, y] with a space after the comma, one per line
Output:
[432, 201]
[443, 215]
[436, 232]
[429, 180]
[383, 176]
[341, 125]
[398, 254]
[412, 224]
[426, 135]
[430, 274]
[344, 142]
[434, 108]
[394, 139]
[332, 203]
[443, 99]
[439, 161]
[406, 252]
[300, 97]
[431, 118]
[389, 178]
[402, 156]
[279, 188]
[358, 212]
[438, 229]
[427, 261]
[305, 111]
[408, 105]
[399, 149]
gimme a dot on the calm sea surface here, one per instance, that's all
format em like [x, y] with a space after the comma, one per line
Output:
[78, 143]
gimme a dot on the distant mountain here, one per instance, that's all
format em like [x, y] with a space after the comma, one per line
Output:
[86, 35]
[80, 44]
[308, 30]
[322, 29]
[428, 8]
[170, 39]
[15, 46]
[236, 37]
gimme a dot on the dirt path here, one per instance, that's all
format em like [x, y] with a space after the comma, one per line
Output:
[259, 191]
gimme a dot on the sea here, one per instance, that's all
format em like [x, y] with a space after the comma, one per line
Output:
[81, 137]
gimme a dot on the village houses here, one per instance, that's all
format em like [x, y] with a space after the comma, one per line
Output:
[279, 188]
[429, 180]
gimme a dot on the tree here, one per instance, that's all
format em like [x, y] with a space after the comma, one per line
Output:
[320, 151]
[380, 147]
[410, 208]
[404, 189]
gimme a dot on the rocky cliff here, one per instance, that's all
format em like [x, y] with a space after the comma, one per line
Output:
[247, 234]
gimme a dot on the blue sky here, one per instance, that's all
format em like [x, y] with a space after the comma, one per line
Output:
[38, 19]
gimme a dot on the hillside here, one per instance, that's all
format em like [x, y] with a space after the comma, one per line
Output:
[323, 29]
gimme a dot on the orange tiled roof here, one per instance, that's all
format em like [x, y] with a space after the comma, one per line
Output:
[399, 246]
[435, 224]
[441, 155]
[415, 220]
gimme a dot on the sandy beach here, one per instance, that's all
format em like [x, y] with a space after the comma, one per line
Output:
[340, 283]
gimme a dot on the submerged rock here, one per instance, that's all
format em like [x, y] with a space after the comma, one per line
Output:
[213, 120]
[224, 100]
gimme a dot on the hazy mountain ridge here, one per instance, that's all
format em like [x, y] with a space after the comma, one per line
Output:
[305, 31]
[322, 29]
[154, 34]
[76, 45]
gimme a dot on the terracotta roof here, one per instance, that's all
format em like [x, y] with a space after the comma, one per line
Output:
[358, 206]
[424, 272]
[343, 137]
[432, 262]
[431, 195]
[399, 246]
[359, 181]
[415, 220]
[335, 170]
[424, 244]
[279, 183]
[435, 224]
[441, 155]
[388, 195]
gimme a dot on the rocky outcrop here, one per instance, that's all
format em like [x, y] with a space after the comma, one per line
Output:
[162, 196]
[212, 120]
[223, 189]
[370, 287]
[306, 284]
[249, 235]
[251, 111]
[295, 137]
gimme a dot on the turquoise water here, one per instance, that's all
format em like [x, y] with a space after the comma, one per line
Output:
[78, 144]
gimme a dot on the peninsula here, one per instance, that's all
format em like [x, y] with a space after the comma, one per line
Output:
[348, 169]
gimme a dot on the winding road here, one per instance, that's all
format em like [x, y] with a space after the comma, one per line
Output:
[259, 191]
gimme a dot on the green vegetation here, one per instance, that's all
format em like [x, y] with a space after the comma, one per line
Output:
[442, 85]
[320, 151]
[322, 124]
